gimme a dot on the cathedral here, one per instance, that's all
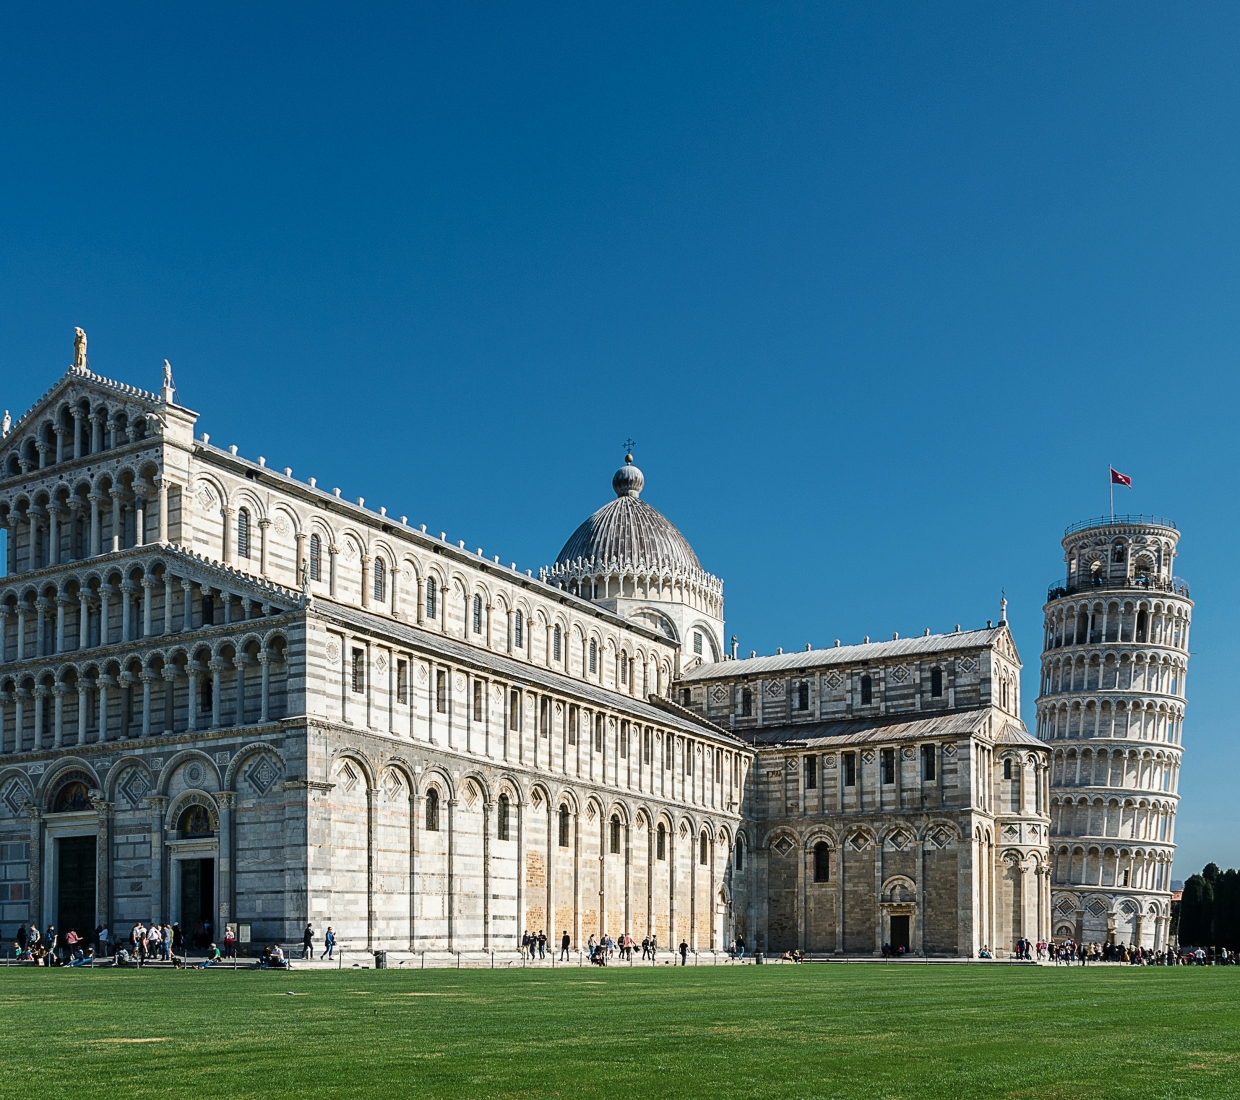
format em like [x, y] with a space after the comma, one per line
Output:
[229, 697]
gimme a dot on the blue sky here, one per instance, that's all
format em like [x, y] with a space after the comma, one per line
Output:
[879, 290]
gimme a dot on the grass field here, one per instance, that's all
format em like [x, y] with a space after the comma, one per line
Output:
[775, 1031]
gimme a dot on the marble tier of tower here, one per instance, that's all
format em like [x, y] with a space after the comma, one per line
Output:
[1111, 706]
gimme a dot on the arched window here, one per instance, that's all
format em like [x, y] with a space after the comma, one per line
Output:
[803, 695]
[867, 691]
[206, 695]
[194, 821]
[316, 558]
[432, 811]
[565, 822]
[71, 797]
[501, 818]
[822, 862]
[660, 843]
[740, 854]
[704, 850]
[557, 639]
[380, 580]
[936, 683]
[477, 613]
[1007, 768]
[593, 655]
[615, 835]
[624, 667]
[1117, 552]
[518, 630]
[432, 598]
[746, 703]
[243, 533]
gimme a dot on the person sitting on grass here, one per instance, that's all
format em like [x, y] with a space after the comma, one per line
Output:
[212, 959]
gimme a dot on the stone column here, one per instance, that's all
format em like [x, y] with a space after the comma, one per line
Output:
[228, 514]
[486, 874]
[22, 608]
[42, 607]
[61, 604]
[147, 677]
[264, 659]
[163, 511]
[167, 624]
[58, 714]
[191, 708]
[117, 537]
[127, 590]
[421, 609]
[576, 879]
[332, 551]
[217, 667]
[84, 619]
[395, 575]
[6, 697]
[77, 433]
[36, 865]
[628, 876]
[105, 684]
[103, 863]
[239, 662]
[452, 883]
[226, 800]
[522, 813]
[53, 534]
[105, 613]
[4, 633]
[19, 718]
[82, 700]
[96, 433]
[147, 605]
[96, 526]
[263, 524]
[40, 704]
[170, 684]
[187, 605]
[159, 807]
[366, 560]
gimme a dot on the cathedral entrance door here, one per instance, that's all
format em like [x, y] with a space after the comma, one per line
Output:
[899, 933]
[198, 901]
[75, 886]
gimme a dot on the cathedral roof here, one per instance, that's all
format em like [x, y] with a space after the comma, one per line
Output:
[851, 654]
[629, 534]
[858, 731]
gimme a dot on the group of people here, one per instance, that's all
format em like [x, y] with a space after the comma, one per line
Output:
[146, 943]
[1068, 952]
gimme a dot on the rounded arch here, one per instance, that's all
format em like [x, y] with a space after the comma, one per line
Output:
[186, 799]
[169, 770]
[245, 753]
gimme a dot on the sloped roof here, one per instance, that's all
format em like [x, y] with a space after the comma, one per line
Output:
[849, 654]
[858, 731]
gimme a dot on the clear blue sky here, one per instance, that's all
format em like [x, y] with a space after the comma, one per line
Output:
[879, 290]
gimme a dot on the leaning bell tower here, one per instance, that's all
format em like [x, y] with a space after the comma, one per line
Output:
[1111, 707]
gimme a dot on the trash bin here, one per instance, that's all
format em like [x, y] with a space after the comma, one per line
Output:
[380, 960]
[758, 958]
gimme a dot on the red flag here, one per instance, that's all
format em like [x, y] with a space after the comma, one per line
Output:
[1120, 479]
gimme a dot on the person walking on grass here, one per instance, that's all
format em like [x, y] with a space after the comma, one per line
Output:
[565, 944]
[684, 953]
[307, 942]
[329, 943]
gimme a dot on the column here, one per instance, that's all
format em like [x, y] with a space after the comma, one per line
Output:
[6, 697]
[450, 804]
[332, 551]
[58, 714]
[239, 664]
[84, 618]
[96, 433]
[167, 624]
[61, 604]
[159, 807]
[83, 699]
[116, 518]
[77, 433]
[127, 589]
[170, 684]
[216, 667]
[42, 606]
[229, 513]
[421, 611]
[95, 525]
[395, 582]
[486, 874]
[187, 605]
[146, 676]
[263, 524]
[53, 534]
[226, 800]
[40, 702]
[103, 865]
[302, 563]
[105, 611]
[21, 632]
[106, 683]
[264, 660]
[147, 605]
[163, 510]
[522, 813]
[19, 722]
[191, 707]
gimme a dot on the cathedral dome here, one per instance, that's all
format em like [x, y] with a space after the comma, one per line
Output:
[629, 533]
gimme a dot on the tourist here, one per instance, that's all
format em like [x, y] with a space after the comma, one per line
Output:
[565, 944]
[277, 956]
[165, 941]
[329, 943]
[542, 944]
[654, 945]
[154, 942]
[307, 942]
[684, 953]
[21, 940]
[178, 940]
[51, 941]
[645, 947]
[230, 943]
[212, 959]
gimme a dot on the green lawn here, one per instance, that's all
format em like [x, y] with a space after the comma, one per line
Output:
[774, 1031]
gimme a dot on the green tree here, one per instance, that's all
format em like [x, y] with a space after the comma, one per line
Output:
[1197, 912]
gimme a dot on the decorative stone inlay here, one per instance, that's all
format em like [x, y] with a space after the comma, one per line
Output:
[35, 769]
[423, 674]
[775, 689]
[720, 694]
[381, 664]
[1066, 905]
[939, 837]
[333, 652]
[791, 765]
[829, 761]
[949, 750]
[967, 664]
[859, 841]
[281, 526]
[347, 774]
[834, 681]
[1011, 832]
[907, 753]
[15, 798]
[899, 674]
[783, 845]
[263, 773]
[1097, 907]
[193, 774]
[134, 786]
[897, 841]
[868, 756]
[205, 497]
[222, 758]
